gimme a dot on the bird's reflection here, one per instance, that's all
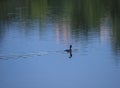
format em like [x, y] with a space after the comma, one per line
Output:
[70, 54]
[69, 51]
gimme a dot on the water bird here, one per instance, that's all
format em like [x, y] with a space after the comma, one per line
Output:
[69, 51]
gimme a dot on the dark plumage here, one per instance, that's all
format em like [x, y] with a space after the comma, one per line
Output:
[69, 50]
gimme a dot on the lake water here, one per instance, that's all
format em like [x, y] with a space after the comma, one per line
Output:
[34, 35]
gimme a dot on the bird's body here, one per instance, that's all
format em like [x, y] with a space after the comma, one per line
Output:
[69, 50]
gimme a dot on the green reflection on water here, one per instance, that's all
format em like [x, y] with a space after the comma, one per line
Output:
[82, 15]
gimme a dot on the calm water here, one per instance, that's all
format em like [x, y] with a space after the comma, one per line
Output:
[34, 35]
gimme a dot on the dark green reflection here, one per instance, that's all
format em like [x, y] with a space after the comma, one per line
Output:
[82, 15]
[115, 16]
